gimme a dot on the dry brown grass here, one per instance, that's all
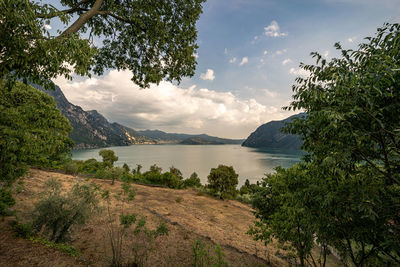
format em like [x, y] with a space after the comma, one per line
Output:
[191, 218]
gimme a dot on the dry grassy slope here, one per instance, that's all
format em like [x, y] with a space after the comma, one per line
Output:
[189, 217]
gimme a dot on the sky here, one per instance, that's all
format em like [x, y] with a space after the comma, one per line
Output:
[248, 58]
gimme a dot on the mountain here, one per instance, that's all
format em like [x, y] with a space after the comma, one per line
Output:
[198, 141]
[269, 135]
[161, 137]
[91, 129]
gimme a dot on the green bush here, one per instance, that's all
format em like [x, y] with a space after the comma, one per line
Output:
[193, 181]
[109, 157]
[90, 166]
[21, 230]
[6, 201]
[202, 256]
[71, 167]
[223, 181]
[57, 212]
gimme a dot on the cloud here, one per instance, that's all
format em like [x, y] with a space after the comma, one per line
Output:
[351, 39]
[281, 52]
[168, 107]
[273, 30]
[286, 61]
[244, 61]
[299, 72]
[226, 51]
[232, 60]
[47, 26]
[265, 52]
[209, 75]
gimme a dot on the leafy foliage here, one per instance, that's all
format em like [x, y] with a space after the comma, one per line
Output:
[57, 212]
[32, 130]
[223, 181]
[346, 192]
[202, 256]
[155, 39]
[109, 157]
[192, 181]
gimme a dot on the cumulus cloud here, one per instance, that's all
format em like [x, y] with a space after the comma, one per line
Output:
[209, 75]
[244, 61]
[273, 30]
[168, 107]
[265, 52]
[232, 60]
[286, 61]
[299, 72]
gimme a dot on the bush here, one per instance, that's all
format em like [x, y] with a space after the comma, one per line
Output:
[114, 173]
[203, 257]
[57, 212]
[6, 201]
[109, 157]
[90, 166]
[193, 181]
[71, 167]
[21, 230]
[223, 181]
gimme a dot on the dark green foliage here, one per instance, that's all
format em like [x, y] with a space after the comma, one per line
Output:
[223, 181]
[156, 40]
[109, 157]
[126, 167]
[248, 188]
[57, 212]
[346, 193]
[192, 181]
[202, 256]
[90, 166]
[32, 130]
[6, 201]
[23, 230]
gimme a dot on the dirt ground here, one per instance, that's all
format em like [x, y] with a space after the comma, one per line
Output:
[188, 215]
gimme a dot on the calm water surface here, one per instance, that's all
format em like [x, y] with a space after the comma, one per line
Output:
[249, 163]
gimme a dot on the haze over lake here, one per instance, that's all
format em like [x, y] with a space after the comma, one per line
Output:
[249, 163]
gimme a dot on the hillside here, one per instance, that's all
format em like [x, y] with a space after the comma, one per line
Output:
[198, 141]
[91, 129]
[269, 135]
[178, 137]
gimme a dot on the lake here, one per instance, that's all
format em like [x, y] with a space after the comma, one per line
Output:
[249, 163]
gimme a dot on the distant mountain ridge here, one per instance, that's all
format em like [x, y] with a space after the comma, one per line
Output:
[198, 141]
[161, 136]
[269, 135]
[91, 129]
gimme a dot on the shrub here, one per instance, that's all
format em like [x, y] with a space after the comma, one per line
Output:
[57, 212]
[223, 181]
[6, 201]
[71, 167]
[21, 230]
[90, 166]
[203, 257]
[193, 181]
[109, 157]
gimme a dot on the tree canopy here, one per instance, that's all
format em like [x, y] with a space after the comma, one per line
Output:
[32, 131]
[154, 39]
[346, 192]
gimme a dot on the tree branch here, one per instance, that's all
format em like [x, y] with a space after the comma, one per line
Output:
[83, 19]
[66, 11]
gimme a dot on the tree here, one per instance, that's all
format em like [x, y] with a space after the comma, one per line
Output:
[154, 39]
[351, 134]
[32, 130]
[223, 181]
[109, 157]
